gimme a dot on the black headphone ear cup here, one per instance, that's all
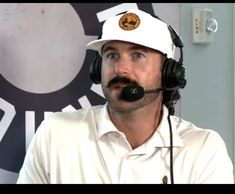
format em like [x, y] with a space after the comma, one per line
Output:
[173, 74]
[95, 69]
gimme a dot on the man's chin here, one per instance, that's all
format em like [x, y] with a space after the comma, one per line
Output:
[122, 106]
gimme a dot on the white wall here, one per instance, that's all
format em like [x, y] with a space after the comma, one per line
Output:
[208, 98]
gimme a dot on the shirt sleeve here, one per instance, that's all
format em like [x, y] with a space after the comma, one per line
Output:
[214, 162]
[36, 164]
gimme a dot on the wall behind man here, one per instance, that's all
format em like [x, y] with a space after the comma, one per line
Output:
[208, 97]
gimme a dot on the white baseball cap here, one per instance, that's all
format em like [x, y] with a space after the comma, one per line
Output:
[139, 27]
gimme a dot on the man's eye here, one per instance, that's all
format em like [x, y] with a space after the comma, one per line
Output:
[111, 56]
[138, 55]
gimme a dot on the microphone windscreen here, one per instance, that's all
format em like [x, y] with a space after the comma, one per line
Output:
[132, 93]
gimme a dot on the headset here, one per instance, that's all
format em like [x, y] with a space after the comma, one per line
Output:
[173, 73]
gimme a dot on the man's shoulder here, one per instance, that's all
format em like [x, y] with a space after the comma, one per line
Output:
[71, 123]
[76, 114]
[193, 134]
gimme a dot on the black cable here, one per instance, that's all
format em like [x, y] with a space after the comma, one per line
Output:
[171, 148]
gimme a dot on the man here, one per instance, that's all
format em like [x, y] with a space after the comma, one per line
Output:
[134, 137]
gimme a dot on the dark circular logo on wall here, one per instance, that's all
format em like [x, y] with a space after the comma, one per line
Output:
[48, 71]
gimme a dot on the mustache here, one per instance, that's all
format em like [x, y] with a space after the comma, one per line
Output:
[120, 79]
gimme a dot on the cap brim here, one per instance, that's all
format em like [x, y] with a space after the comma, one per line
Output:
[98, 44]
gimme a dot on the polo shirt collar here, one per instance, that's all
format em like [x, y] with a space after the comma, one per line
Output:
[161, 137]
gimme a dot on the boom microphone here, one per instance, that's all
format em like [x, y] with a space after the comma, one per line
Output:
[133, 93]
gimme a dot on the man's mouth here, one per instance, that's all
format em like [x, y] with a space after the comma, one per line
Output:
[119, 85]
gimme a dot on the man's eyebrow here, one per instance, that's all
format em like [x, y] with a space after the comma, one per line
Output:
[143, 48]
[108, 48]
[134, 47]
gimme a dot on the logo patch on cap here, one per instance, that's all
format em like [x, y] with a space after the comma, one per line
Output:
[129, 21]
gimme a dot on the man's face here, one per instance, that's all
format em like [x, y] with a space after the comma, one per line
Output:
[125, 63]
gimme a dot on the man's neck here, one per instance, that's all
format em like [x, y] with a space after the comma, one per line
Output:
[138, 126]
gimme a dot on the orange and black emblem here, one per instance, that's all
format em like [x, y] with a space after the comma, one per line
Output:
[129, 21]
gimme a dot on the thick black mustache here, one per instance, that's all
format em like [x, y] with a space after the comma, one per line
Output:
[120, 79]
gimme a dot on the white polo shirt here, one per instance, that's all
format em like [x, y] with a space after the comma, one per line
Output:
[85, 147]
